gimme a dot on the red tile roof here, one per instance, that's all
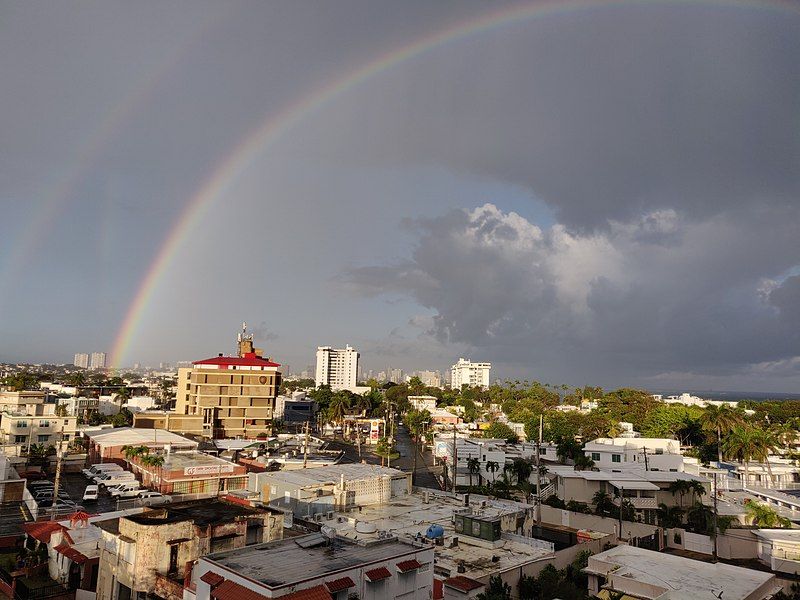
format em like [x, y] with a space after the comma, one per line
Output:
[71, 553]
[404, 566]
[42, 530]
[463, 583]
[438, 589]
[248, 360]
[339, 585]
[318, 592]
[212, 579]
[378, 574]
[228, 590]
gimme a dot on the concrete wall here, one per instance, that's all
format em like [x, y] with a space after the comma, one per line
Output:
[596, 523]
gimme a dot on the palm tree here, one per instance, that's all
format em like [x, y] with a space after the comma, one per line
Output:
[492, 466]
[474, 466]
[338, 408]
[583, 463]
[602, 503]
[522, 470]
[701, 518]
[739, 445]
[681, 487]
[669, 516]
[719, 420]
[764, 516]
[362, 404]
[697, 490]
[765, 442]
[508, 471]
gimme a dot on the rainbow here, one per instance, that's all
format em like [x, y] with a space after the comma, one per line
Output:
[90, 152]
[273, 126]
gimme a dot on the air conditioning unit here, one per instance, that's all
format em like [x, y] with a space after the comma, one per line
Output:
[318, 517]
[330, 515]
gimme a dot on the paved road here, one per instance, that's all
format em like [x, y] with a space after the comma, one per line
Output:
[425, 463]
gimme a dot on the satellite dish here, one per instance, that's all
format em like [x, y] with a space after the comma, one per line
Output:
[328, 532]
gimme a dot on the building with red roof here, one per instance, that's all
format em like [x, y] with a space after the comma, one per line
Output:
[224, 396]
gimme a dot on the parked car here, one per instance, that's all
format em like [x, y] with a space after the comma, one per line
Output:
[109, 479]
[41, 484]
[48, 495]
[100, 468]
[91, 492]
[149, 498]
[61, 505]
[129, 489]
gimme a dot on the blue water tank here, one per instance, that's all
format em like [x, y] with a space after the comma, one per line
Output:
[434, 531]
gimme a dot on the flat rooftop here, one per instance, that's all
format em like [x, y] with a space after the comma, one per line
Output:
[567, 471]
[181, 460]
[408, 516]
[332, 474]
[681, 577]
[201, 512]
[122, 436]
[285, 562]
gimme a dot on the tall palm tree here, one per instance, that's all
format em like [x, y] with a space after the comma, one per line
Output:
[338, 408]
[739, 444]
[474, 466]
[492, 466]
[764, 516]
[719, 420]
[522, 470]
[669, 516]
[697, 490]
[680, 487]
[602, 503]
[765, 442]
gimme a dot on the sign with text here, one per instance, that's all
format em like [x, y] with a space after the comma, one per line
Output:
[208, 470]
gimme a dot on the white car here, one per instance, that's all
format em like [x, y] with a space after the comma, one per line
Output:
[149, 498]
[91, 492]
[125, 490]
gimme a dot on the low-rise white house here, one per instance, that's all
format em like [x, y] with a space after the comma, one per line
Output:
[652, 454]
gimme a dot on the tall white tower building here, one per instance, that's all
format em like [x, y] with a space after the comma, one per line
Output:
[81, 360]
[469, 373]
[98, 360]
[337, 368]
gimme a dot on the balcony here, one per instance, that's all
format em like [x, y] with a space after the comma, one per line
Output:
[638, 503]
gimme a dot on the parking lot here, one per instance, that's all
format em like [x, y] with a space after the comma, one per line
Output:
[75, 484]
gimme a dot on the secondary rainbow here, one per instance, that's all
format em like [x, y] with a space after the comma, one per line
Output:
[273, 126]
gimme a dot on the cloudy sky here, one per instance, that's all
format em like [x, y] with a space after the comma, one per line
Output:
[604, 193]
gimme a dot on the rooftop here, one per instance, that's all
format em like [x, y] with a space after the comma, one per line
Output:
[131, 436]
[286, 562]
[409, 516]
[332, 474]
[250, 359]
[201, 512]
[678, 576]
[626, 475]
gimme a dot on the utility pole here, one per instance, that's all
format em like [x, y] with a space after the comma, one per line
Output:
[621, 497]
[539, 477]
[57, 480]
[644, 450]
[305, 448]
[455, 459]
[714, 555]
[391, 436]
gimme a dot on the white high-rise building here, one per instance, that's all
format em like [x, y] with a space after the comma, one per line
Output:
[337, 367]
[98, 360]
[469, 373]
[81, 360]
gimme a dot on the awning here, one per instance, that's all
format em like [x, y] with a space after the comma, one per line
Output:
[404, 566]
[635, 485]
[339, 585]
[378, 574]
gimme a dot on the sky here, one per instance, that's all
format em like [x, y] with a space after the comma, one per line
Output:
[603, 193]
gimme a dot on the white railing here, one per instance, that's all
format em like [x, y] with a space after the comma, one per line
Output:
[639, 502]
[548, 547]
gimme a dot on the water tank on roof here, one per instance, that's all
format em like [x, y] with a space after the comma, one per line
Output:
[434, 531]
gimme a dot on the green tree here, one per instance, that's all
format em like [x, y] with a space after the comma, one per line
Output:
[498, 430]
[474, 466]
[680, 487]
[492, 466]
[739, 444]
[719, 420]
[496, 590]
[764, 516]
[669, 516]
[603, 505]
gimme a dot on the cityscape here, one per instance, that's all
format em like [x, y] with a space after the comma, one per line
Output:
[366, 300]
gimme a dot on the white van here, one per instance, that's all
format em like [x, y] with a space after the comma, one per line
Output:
[113, 478]
[91, 492]
[128, 489]
[101, 468]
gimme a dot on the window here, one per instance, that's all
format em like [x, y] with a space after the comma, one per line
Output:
[44, 423]
[616, 458]
[65, 437]
[20, 439]
[595, 456]
[43, 438]
[542, 451]
[22, 423]
[659, 451]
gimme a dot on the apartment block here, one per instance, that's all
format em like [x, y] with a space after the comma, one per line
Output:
[26, 420]
[337, 367]
[466, 372]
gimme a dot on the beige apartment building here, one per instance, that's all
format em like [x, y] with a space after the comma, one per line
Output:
[27, 420]
[228, 396]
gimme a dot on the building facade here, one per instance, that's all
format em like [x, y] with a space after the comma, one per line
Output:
[234, 396]
[98, 360]
[27, 420]
[466, 372]
[337, 367]
[81, 360]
